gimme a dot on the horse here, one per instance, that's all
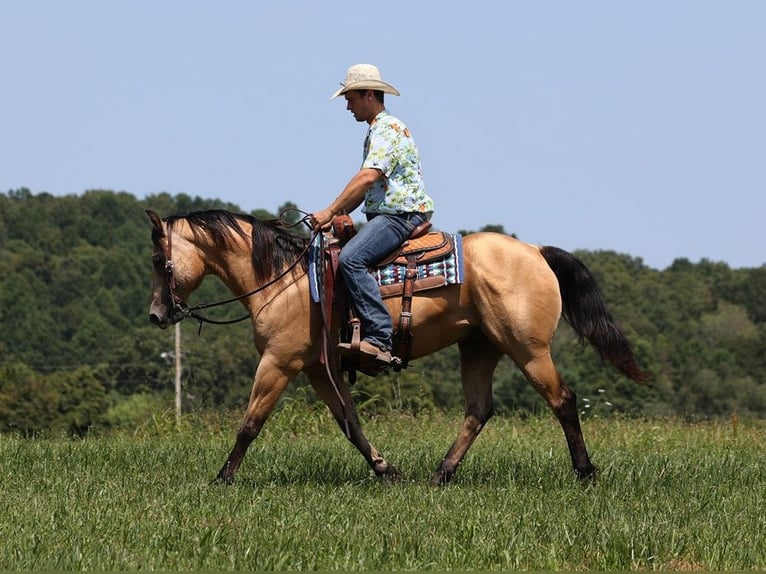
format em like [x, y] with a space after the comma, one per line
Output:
[510, 302]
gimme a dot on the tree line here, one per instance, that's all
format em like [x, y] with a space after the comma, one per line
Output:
[77, 352]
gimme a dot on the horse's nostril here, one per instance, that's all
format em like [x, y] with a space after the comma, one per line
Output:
[154, 319]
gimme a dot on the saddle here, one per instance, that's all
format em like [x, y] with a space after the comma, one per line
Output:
[423, 247]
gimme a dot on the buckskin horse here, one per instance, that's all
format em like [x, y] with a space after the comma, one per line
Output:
[510, 302]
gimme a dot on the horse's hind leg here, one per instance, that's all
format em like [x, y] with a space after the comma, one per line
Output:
[478, 360]
[543, 375]
[343, 410]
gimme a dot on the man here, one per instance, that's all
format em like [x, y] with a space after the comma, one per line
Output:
[390, 184]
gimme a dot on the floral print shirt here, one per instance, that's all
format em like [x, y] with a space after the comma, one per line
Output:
[390, 148]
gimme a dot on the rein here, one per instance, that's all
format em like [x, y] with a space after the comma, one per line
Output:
[181, 307]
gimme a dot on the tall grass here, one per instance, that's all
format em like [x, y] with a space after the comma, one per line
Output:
[672, 496]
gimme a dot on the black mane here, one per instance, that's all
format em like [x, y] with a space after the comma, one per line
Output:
[274, 247]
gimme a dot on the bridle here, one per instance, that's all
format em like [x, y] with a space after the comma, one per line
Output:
[179, 310]
[178, 305]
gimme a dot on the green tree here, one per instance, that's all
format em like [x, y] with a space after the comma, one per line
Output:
[76, 342]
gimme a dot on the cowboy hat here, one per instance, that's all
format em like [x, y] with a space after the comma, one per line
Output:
[364, 77]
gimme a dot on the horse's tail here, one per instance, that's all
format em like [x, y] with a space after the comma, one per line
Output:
[586, 312]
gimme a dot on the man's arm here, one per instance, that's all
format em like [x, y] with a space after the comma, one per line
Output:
[348, 200]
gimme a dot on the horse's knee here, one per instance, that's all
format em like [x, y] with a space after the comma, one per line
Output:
[565, 406]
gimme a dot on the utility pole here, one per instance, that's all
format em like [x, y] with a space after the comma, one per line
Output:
[178, 373]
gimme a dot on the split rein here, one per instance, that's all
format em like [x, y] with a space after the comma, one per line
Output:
[180, 306]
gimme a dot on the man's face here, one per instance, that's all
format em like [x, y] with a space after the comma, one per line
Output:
[360, 104]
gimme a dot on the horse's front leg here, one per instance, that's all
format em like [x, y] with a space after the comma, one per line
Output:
[270, 381]
[344, 411]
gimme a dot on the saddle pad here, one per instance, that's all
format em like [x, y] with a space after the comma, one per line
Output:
[445, 271]
[316, 256]
[390, 277]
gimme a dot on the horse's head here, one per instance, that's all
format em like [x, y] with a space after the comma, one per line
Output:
[177, 270]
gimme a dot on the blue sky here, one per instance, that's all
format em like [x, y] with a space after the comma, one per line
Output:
[636, 127]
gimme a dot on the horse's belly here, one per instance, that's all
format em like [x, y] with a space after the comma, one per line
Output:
[439, 319]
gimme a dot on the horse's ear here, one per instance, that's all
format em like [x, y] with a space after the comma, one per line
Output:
[155, 219]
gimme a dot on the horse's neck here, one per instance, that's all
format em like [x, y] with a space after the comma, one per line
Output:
[233, 267]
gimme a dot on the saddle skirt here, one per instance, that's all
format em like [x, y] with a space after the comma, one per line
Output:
[437, 258]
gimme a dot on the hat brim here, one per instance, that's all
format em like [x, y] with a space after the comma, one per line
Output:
[366, 85]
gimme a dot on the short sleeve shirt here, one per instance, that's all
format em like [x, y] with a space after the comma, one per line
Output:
[390, 148]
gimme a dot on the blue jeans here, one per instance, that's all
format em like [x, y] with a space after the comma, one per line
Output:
[376, 239]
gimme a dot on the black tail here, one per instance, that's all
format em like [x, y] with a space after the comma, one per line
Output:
[586, 312]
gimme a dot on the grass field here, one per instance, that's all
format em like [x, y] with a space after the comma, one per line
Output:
[672, 496]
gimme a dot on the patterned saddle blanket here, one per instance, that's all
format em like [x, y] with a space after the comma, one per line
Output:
[437, 258]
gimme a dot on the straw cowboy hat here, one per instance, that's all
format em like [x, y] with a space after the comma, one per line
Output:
[364, 77]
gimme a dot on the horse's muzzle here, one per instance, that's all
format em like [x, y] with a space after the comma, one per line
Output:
[164, 317]
[158, 321]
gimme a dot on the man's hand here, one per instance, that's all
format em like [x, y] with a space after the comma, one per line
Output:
[322, 220]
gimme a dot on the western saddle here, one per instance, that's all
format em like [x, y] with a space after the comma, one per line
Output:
[422, 246]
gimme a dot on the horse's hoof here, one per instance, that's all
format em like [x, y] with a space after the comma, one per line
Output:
[440, 478]
[587, 477]
[221, 480]
[392, 475]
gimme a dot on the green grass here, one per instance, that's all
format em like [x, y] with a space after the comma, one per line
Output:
[672, 496]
